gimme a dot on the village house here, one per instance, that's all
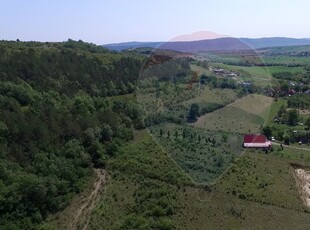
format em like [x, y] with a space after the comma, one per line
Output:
[307, 91]
[256, 141]
[291, 92]
[219, 71]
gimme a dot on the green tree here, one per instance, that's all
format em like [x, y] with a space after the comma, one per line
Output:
[193, 112]
[286, 139]
[307, 123]
[267, 131]
[292, 117]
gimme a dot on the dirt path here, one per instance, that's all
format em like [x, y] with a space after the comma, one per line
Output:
[290, 146]
[81, 217]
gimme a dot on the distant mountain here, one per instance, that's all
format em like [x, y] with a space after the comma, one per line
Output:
[132, 45]
[218, 44]
[197, 36]
[257, 43]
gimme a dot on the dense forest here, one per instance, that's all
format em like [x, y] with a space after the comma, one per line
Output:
[58, 121]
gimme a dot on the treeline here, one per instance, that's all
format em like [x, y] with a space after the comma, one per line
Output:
[166, 68]
[299, 101]
[56, 122]
[295, 77]
[225, 83]
[69, 67]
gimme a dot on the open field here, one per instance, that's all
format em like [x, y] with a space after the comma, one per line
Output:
[261, 57]
[272, 112]
[219, 96]
[259, 189]
[242, 116]
[285, 60]
[259, 75]
[262, 178]
[264, 72]
[200, 70]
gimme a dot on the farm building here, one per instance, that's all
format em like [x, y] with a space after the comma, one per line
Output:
[256, 141]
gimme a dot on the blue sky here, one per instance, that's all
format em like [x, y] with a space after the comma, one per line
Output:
[106, 21]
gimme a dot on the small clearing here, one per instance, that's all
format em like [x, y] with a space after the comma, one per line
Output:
[304, 111]
[303, 181]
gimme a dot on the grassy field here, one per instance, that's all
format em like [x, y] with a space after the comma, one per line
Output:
[272, 112]
[258, 192]
[264, 72]
[262, 178]
[259, 75]
[200, 70]
[242, 116]
[220, 96]
[276, 58]
[285, 60]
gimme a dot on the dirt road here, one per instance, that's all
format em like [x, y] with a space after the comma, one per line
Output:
[82, 215]
[290, 146]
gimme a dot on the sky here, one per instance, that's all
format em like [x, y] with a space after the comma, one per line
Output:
[112, 21]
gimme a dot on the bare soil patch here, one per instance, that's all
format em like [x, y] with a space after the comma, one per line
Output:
[303, 183]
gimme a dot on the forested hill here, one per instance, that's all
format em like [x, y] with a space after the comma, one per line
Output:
[67, 67]
[58, 120]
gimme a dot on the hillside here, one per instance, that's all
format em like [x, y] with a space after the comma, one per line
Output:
[95, 139]
[58, 122]
[226, 43]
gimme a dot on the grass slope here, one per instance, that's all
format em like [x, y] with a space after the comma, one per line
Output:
[146, 190]
[242, 116]
[258, 192]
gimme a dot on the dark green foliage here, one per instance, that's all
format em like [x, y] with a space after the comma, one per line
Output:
[286, 139]
[267, 131]
[307, 123]
[292, 117]
[68, 67]
[193, 112]
[299, 101]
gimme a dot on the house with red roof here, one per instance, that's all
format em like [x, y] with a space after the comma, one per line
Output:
[256, 141]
